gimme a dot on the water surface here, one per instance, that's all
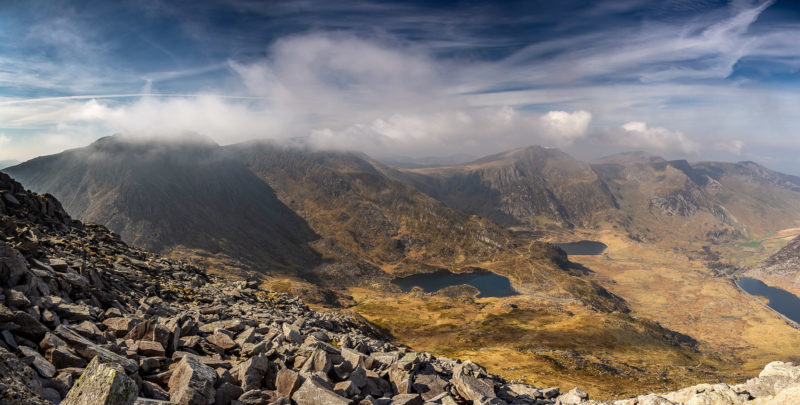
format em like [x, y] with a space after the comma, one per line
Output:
[487, 283]
[584, 247]
[782, 301]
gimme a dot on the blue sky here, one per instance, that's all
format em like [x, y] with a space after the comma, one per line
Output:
[687, 79]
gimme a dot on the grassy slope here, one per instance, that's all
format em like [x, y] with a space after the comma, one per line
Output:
[545, 342]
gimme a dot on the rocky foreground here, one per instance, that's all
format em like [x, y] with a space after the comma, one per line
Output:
[86, 319]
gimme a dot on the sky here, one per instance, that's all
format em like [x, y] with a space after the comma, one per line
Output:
[683, 79]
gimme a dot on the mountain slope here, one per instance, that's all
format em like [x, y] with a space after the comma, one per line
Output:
[521, 187]
[8, 163]
[362, 213]
[175, 195]
[781, 269]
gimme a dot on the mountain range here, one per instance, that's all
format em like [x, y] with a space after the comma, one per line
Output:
[336, 227]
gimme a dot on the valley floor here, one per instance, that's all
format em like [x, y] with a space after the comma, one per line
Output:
[567, 344]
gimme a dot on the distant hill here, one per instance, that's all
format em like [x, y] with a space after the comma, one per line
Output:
[175, 195]
[526, 186]
[8, 163]
[645, 196]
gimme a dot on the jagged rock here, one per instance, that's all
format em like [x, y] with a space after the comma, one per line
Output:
[89, 350]
[17, 299]
[320, 360]
[407, 399]
[39, 363]
[257, 397]
[57, 352]
[28, 325]
[551, 392]
[226, 393]
[292, 333]
[19, 383]
[574, 397]
[346, 389]
[153, 391]
[312, 392]
[287, 382]
[400, 378]
[252, 372]
[51, 395]
[102, 383]
[221, 340]
[192, 383]
[119, 326]
[469, 387]
[74, 312]
[12, 265]
[150, 348]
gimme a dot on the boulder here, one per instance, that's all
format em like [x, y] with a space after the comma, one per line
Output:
[313, 392]
[221, 340]
[150, 348]
[575, 396]
[102, 383]
[469, 387]
[226, 393]
[192, 383]
[257, 397]
[252, 372]
[17, 299]
[39, 363]
[407, 399]
[287, 382]
[12, 265]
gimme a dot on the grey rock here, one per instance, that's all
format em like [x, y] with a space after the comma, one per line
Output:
[12, 264]
[312, 392]
[287, 382]
[574, 397]
[192, 383]
[39, 363]
[153, 391]
[102, 383]
[226, 393]
[17, 299]
[252, 372]
[407, 399]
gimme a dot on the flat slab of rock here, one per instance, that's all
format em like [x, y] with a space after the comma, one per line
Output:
[102, 383]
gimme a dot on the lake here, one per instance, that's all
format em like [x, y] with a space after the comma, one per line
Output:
[584, 247]
[782, 301]
[487, 283]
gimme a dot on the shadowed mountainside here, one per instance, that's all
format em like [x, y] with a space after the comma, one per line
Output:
[171, 195]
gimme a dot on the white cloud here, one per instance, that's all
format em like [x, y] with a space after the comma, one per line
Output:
[564, 127]
[733, 147]
[4, 139]
[638, 135]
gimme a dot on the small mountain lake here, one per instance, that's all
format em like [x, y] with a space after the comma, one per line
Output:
[487, 283]
[781, 301]
[584, 247]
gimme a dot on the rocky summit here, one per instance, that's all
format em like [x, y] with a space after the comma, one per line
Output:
[87, 319]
